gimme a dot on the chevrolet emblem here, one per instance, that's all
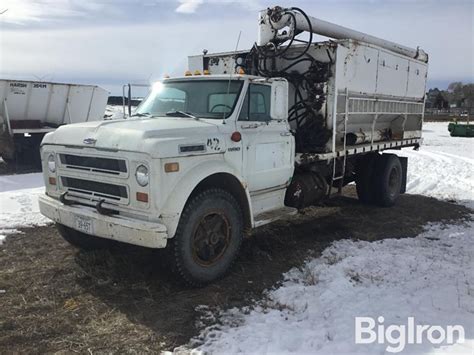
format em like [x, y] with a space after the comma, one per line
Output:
[89, 141]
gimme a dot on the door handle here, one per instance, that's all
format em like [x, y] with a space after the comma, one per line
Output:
[249, 126]
[285, 134]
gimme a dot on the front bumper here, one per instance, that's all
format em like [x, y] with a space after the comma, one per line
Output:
[119, 228]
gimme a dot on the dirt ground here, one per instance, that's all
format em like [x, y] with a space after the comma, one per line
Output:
[54, 298]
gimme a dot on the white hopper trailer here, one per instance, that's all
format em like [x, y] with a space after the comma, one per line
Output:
[251, 137]
[30, 109]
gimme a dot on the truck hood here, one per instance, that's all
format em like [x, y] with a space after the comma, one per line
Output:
[159, 137]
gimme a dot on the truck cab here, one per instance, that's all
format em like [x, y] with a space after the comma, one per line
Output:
[224, 139]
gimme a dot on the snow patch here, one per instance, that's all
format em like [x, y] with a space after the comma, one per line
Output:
[430, 278]
[443, 167]
[19, 203]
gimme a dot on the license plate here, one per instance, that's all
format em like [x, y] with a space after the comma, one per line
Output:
[84, 225]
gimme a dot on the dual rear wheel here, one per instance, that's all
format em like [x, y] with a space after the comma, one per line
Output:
[379, 179]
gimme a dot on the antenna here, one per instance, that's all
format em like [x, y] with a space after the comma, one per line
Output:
[230, 75]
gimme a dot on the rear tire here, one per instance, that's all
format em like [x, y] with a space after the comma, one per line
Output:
[388, 179]
[81, 240]
[208, 237]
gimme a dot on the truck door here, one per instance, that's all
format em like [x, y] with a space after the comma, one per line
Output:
[267, 145]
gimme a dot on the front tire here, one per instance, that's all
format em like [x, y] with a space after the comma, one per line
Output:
[82, 240]
[208, 237]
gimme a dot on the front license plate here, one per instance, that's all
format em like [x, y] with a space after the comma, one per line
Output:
[84, 225]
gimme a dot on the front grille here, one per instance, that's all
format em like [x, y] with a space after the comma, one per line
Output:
[94, 164]
[95, 188]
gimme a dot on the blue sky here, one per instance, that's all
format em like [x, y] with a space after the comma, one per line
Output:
[112, 42]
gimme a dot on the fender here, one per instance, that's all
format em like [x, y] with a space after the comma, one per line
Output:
[174, 204]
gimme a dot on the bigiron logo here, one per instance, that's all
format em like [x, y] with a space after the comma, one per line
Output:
[398, 336]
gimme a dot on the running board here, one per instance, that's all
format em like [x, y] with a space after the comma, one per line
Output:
[271, 216]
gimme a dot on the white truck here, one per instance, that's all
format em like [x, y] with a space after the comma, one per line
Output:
[30, 109]
[247, 138]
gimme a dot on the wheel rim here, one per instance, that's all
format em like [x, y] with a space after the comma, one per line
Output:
[211, 238]
[393, 181]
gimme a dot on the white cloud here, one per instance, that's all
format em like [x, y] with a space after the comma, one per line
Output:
[23, 11]
[188, 6]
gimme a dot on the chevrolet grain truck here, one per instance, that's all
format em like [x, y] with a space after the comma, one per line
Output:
[243, 139]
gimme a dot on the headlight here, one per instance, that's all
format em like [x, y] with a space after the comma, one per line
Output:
[51, 163]
[142, 175]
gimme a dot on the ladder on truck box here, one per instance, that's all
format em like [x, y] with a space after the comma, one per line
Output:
[379, 107]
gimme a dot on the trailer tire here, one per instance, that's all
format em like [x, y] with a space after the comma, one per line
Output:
[364, 178]
[208, 237]
[388, 179]
[81, 240]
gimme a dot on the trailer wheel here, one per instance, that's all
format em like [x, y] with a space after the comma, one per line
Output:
[82, 240]
[208, 237]
[364, 178]
[388, 179]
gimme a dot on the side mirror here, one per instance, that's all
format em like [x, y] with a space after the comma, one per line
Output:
[279, 102]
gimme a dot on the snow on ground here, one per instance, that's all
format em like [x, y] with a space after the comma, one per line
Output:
[430, 277]
[114, 112]
[19, 202]
[443, 167]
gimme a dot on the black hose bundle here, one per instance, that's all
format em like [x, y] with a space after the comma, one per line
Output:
[311, 133]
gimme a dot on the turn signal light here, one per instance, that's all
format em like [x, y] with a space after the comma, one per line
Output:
[52, 180]
[142, 197]
[171, 167]
[241, 71]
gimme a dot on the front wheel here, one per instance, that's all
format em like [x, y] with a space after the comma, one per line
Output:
[208, 237]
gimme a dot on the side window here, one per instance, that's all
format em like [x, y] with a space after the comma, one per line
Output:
[256, 105]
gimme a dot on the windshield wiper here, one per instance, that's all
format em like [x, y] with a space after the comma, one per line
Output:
[145, 114]
[180, 113]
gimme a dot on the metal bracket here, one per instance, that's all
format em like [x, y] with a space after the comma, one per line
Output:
[103, 210]
[63, 200]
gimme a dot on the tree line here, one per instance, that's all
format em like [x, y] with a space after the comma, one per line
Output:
[458, 95]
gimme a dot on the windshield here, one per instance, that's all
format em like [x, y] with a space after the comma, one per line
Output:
[192, 98]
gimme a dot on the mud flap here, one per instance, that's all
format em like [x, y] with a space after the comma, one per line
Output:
[404, 163]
